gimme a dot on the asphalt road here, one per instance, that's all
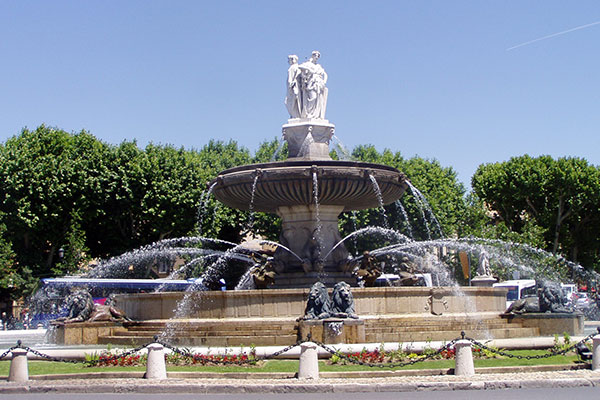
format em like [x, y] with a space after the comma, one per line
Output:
[506, 394]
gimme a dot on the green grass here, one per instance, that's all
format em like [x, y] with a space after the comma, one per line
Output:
[46, 367]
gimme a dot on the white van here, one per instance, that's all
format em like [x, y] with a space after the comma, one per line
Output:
[517, 289]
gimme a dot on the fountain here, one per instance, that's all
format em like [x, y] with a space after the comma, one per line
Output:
[308, 191]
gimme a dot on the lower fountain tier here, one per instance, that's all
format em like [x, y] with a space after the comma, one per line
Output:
[349, 184]
[269, 317]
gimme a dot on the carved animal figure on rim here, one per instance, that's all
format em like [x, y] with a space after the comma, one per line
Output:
[343, 301]
[82, 308]
[80, 305]
[318, 305]
[550, 299]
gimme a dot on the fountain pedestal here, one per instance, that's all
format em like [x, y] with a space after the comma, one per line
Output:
[311, 232]
[483, 281]
[287, 188]
[308, 138]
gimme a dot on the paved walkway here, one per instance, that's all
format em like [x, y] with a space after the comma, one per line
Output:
[353, 382]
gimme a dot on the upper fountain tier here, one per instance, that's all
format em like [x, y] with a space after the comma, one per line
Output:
[347, 184]
[309, 190]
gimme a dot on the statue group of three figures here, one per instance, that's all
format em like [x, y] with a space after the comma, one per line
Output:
[306, 92]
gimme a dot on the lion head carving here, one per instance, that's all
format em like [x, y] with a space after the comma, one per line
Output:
[552, 299]
[343, 301]
[80, 305]
[318, 305]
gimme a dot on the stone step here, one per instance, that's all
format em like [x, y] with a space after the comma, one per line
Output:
[446, 327]
[210, 324]
[193, 333]
[214, 329]
[406, 337]
[429, 320]
[280, 340]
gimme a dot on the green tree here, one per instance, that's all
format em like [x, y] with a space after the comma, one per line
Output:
[560, 197]
[47, 176]
[13, 277]
[216, 219]
[439, 186]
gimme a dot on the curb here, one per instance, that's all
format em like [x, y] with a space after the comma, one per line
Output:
[329, 382]
[293, 387]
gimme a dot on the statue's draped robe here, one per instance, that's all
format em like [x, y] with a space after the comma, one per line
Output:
[314, 92]
[292, 98]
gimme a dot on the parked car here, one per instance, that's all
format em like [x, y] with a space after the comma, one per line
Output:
[583, 301]
[570, 292]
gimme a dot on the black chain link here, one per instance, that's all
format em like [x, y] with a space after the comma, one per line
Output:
[537, 357]
[189, 354]
[7, 352]
[286, 349]
[253, 359]
[69, 360]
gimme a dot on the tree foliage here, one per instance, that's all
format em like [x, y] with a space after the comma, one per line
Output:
[559, 196]
[70, 191]
[438, 215]
[73, 192]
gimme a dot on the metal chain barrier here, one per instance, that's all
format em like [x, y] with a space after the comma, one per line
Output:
[120, 355]
[561, 352]
[390, 364]
[252, 358]
[286, 349]
[68, 360]
[238, 361]
[7, 352]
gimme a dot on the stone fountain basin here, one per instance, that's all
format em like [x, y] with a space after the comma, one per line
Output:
[291, 303]
[290, 183]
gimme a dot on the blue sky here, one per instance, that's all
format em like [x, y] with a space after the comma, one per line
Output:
[427, 78]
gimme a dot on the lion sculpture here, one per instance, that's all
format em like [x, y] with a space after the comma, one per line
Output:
[82, 308]
[522, 306]
[318, 305]
[343, 301]
[550, 299]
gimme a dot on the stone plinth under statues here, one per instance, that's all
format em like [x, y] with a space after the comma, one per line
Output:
[333, 330]
[308, 138]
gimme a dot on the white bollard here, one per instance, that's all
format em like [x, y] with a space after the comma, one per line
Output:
[596, 353]
[463, 358]
[155, 366]
[18, 371]
[308, 366]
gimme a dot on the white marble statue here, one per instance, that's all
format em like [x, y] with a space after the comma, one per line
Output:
[293, 100]
[484, 265]
[314, 92]
[306, 91]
